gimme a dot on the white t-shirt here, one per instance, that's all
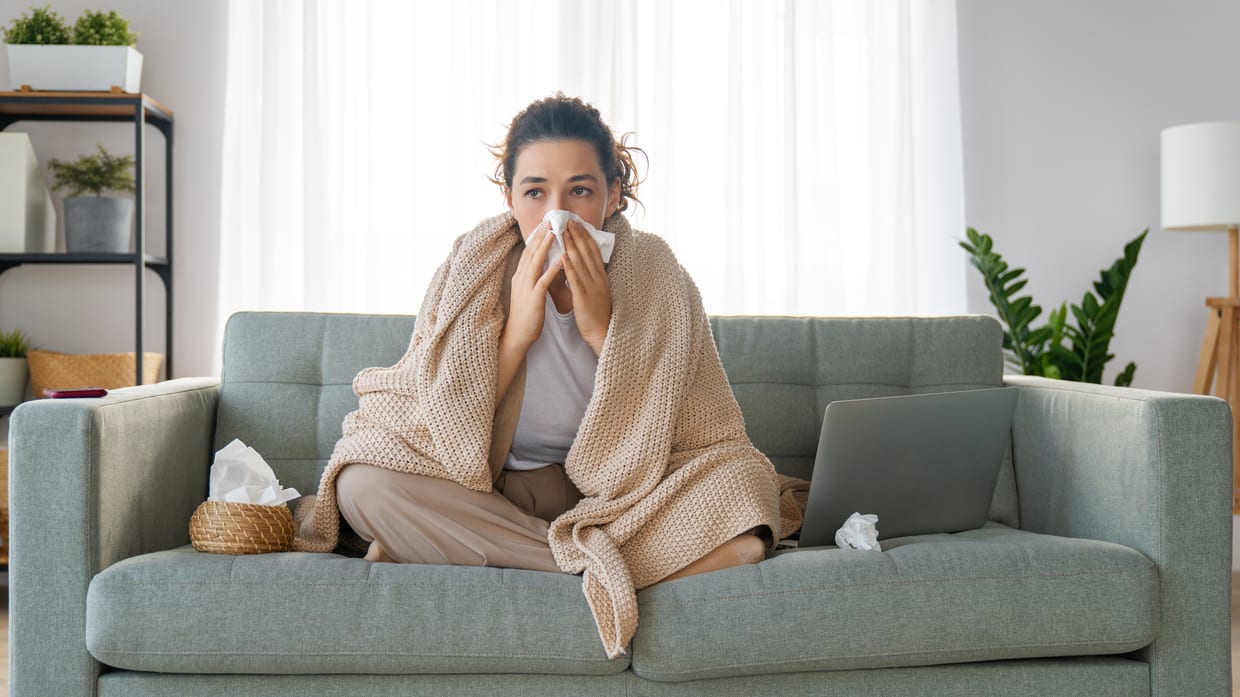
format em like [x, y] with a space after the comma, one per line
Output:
[559, 380]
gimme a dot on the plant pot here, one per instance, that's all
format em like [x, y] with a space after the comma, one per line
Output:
[75, 68]
[98, 224]
[12, 381]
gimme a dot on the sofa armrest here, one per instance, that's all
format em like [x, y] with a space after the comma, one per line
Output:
[92, 482]
[1152, 471]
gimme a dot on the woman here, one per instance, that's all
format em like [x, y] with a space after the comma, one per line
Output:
[571, 416]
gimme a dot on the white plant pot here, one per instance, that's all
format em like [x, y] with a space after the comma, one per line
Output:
[75, 68]
[12, 381]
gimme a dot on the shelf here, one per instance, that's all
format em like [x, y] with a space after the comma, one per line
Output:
[115, 106]
[78, 258]
[158, 264]
[98, 106]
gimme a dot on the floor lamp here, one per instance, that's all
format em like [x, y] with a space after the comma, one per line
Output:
[1201, 191]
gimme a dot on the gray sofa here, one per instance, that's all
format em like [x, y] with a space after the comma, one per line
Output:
[1104, 570]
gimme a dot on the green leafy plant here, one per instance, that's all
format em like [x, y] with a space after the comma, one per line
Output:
[1042, 350]
[103, 29]
[41, 26]
[44, 27]
[94, 173]
[14, 344]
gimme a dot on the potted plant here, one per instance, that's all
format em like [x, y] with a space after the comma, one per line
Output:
[13, 347]
[1056, 349]
[97, 54]
[96, 223]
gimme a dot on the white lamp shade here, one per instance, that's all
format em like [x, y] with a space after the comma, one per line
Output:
[1201, 176]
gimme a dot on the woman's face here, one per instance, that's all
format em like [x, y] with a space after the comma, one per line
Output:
[563, 174]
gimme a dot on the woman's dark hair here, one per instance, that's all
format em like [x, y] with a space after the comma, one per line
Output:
[563, 118]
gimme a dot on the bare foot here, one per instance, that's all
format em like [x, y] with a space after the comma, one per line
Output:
[742, 549]
[376, 553]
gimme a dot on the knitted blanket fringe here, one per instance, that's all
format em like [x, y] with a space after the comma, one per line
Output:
[661, 456]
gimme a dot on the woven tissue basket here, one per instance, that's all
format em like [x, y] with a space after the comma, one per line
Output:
[107, 370]
[240, 528]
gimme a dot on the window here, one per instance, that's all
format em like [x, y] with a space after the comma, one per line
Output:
[805, 156]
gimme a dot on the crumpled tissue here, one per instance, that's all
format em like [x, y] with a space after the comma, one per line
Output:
[240, 475]
[559, 221]
[859, 532]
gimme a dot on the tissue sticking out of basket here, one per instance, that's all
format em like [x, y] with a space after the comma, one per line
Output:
[241, 475]
[244, 512]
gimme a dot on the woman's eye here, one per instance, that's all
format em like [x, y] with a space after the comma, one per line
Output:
[533, 193]
[581, 191]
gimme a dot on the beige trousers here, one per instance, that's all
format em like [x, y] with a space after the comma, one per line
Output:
[427, 520]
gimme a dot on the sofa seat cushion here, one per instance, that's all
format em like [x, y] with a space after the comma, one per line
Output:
[181, 611]
[988, 594]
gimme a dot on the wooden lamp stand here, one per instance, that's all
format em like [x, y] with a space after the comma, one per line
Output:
[1220, 355]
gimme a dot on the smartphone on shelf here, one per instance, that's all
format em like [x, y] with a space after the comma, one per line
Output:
[67, 392]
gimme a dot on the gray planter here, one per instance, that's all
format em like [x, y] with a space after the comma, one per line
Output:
[98, 224]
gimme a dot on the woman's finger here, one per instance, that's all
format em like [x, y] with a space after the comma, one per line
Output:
[570, 271]
[582, 254]
[529, 256]
[583, 281]
[594, 252]
[542, 247]
[544, 281]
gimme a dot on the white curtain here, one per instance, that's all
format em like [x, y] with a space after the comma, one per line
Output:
[805, 155]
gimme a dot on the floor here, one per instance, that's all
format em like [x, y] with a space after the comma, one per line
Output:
[1235, 635]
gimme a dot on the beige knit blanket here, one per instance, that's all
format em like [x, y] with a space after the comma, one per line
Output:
[661, 456]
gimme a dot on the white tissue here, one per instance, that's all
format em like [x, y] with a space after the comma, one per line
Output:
[859, 532]
[559, 221]
[240, 475]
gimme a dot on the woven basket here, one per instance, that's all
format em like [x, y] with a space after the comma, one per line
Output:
[107, 370]
[240, 528]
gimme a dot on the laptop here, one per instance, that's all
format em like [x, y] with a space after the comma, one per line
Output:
[922, 463]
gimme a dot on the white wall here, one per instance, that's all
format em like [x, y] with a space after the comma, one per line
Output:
[1062, 105]
[89, 309]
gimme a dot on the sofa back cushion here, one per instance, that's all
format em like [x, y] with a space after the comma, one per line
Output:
[287, 377]
[785, 370]
[287, 383]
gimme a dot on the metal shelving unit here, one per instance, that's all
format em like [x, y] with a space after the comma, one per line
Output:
[116, 106]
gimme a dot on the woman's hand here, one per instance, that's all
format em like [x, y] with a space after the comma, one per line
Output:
[587, 279]
[529, 290]
[526, 308]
